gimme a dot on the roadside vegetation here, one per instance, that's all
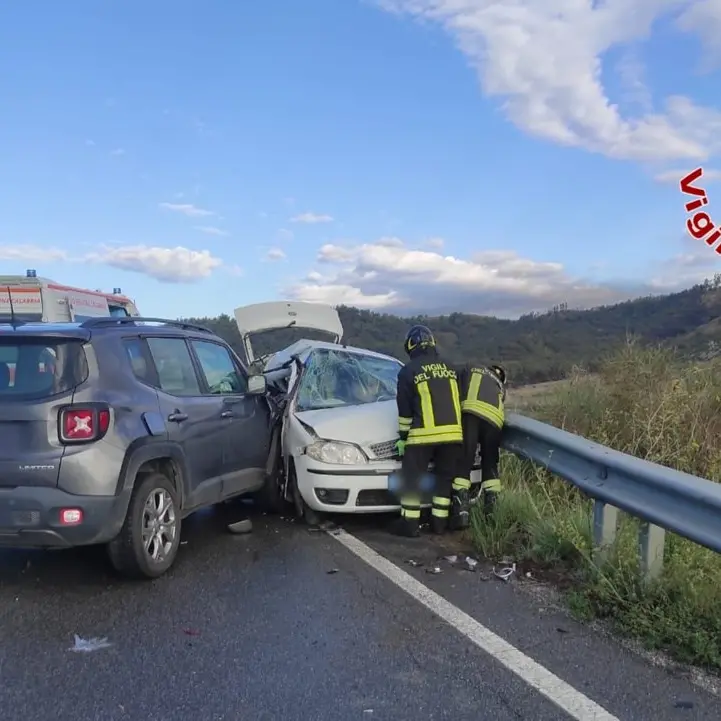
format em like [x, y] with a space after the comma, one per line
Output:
[648, 403]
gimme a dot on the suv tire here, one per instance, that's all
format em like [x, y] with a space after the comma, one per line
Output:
[127, 551]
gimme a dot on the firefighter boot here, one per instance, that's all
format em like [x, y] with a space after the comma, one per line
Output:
[440, 512]
[490, 490]
[460, 504]
[439, 525]
[406, 527]
[489, 502]
[460, 510]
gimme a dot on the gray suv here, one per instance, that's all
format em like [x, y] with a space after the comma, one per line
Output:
[114, 429]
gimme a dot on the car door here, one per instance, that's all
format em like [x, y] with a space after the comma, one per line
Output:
[193, 418]
[246, 433]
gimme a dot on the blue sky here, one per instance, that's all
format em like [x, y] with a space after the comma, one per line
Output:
[401, 155]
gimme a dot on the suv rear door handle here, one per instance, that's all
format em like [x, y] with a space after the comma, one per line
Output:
[177, 417]
[227, 414]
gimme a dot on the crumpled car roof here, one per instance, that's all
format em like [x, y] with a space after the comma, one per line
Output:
[302, 349]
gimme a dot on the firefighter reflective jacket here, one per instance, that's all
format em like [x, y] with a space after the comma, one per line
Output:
[482, 394]
[429, 407]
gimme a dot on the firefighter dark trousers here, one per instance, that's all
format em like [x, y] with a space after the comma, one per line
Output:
[476, 431]
[445, 458]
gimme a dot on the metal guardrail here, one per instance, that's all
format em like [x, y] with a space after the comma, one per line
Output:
[664, 499]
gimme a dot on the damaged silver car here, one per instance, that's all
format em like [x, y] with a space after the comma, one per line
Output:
[334, 410]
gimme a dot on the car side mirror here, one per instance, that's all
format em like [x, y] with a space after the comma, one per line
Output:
[257, 385]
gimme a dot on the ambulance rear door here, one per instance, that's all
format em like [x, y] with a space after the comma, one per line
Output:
[25, 302]
[84, 306]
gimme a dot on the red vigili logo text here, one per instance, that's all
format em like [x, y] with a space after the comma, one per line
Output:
[699, 225]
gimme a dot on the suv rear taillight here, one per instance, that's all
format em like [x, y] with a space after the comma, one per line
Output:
[83, 423]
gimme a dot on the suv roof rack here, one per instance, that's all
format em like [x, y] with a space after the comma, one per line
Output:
[101, 321]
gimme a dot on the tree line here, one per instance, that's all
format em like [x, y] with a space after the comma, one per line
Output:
[534, 348]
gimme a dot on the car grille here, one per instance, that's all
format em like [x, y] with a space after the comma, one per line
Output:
[384, 451]
[376, 497]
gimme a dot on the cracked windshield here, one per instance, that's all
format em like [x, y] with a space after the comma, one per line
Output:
[337, 378]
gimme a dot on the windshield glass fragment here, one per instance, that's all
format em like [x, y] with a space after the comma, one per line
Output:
[337, 378]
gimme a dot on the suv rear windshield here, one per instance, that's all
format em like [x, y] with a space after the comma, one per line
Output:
[35, 368]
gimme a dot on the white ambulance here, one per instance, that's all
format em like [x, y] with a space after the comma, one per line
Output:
[32, 299]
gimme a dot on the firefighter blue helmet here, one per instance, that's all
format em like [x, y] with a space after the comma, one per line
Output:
[418, 337]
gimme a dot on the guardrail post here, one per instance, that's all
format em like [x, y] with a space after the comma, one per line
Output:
[651, 546]
[605, 525]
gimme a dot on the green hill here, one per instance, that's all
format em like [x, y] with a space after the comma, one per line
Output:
[536, 347]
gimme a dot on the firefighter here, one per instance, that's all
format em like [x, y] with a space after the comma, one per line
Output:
[429, 424]
[483, 393]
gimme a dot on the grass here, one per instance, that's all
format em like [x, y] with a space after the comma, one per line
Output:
[647, 403]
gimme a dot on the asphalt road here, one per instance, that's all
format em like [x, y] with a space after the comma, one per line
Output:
[287, 624]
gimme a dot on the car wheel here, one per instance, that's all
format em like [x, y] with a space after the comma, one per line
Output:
[302, 509]
[270, 497]
[148, 542]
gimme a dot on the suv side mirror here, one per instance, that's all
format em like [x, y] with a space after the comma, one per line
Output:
[257, 385]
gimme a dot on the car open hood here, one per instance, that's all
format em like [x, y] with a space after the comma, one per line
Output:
[364, 424]
[261, 317]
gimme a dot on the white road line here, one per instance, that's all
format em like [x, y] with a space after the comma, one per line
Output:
[573, 702]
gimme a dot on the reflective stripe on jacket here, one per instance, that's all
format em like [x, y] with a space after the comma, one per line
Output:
[483, 394]
[429, 406]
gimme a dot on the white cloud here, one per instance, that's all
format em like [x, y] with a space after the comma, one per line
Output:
[31, 253]
[674, 176]
[694, 263]
[172, 265]
[188, 209]
[275, 254]
[435, 243]
[234, 270]
[212, 230]
[117, 152]
[390, 241]
[311, 218]
[285, 234]
[704, 18]
[406, 280]
[344, 294]
[543, 59]
[90, 143]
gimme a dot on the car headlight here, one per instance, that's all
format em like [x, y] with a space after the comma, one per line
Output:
[337, 452]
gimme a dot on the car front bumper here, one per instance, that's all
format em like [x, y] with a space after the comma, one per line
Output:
[349, 489]
[30, 518]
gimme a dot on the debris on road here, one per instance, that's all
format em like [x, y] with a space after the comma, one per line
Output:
[191, 632]
[451, 559]
[414, 564]
[244, 526]
[85, 645]
[332, 570]
[471, 563]
[683, 704]
[505, 573]
[434, 570]
[325, 527]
